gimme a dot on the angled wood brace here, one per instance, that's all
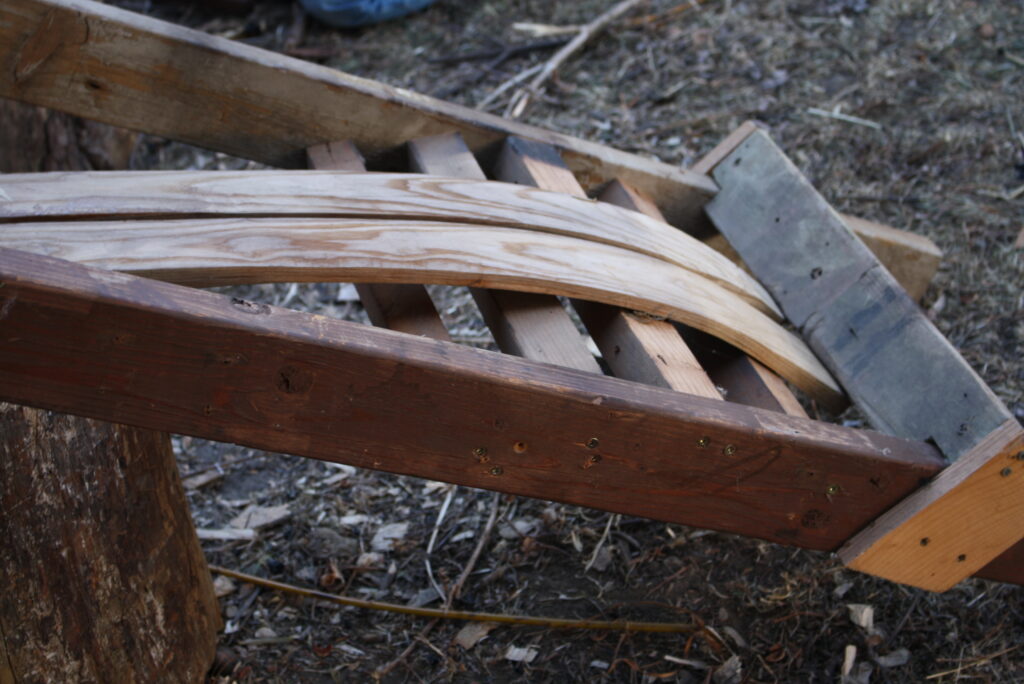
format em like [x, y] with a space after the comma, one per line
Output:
[879, 345]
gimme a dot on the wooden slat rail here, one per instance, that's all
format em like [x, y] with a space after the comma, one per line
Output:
[882, 347]
[912, 259]
[534, 326]
[405, 307]
[185, 194]
[147, 353]
[648, 351]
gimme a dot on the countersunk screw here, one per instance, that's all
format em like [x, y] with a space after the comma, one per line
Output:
[703, 442]
[1019, 456]
[832, 489]
[480, 451]
[1005, 472]
[729, 450]
[497, 470]
[593, 443]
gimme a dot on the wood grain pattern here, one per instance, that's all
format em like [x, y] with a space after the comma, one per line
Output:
[406, 308]
[182, 194]
[911, 258]
[206, 252]
[142, 352]
[953, 526]
[849, 308]
[534, 326]
[129, 70]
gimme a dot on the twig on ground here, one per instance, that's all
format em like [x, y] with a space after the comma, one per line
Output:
[515, 80]
[540, 30]
[480, 544]
[433, 538]
[839, 116]
[532, 620]
[517, 105]
[386, 670]
[600, 542]
[500, 54]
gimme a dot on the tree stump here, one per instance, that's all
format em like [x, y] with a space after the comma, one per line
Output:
[101, 574]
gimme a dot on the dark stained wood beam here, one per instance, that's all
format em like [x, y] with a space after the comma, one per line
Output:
[162, 356]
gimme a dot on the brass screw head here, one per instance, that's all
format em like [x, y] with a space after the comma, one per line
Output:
[497, 470]
[832, 489]
[593, 443]
[480, 451]
[703, 442]
[729, 450]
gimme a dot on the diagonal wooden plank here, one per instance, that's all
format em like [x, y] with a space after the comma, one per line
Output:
[636, 348]
[142, 352]
[534, 326]
[403, 307]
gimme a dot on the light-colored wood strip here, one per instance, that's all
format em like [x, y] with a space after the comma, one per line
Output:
[953, 526]
[534, 326]
[911, 258]
[634, 347]
[227, 251]
[406, 308]
[398, 196]
[110, 65]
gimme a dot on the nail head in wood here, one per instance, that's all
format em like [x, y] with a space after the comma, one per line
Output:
[497, 470]
[729, 449]
[703, 442]
[593, 443]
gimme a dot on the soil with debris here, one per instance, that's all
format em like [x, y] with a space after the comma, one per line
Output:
[940, 85]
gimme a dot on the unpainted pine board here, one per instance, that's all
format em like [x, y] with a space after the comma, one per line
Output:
[855, 316]
[182, 194]
[534, 326]
[911, 258]
[110, 65]
[142, 352]
[635, 348]
[406, 308]
[748, 382]
[207, 252]
[966, 517]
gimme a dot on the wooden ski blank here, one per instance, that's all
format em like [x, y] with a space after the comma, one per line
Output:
[141, 352]
[206, 252]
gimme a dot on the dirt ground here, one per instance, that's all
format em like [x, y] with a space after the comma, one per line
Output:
[942, 84]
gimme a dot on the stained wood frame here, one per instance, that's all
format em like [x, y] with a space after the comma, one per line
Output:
[101, 328]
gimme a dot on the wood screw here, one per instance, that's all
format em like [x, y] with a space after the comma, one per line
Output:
[497, 470]
[480, 451]
[729, 450]
[703, 442]
[1005, 472]
[832, 490]
[924, 541]
[1019, 456]
[961, 558]
[593, 443]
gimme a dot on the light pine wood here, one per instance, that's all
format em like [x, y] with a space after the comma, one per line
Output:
[110, 65]
[403, 307]
[911, 258]
[965, 517]
[391, 196]
[205, 252]
[634, 347]
[534, 326]
[139, 351]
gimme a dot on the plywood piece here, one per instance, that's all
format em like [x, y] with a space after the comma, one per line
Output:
[856, 317]
[534, 326]
[406, 308]
[110, 65]
[207, 252]
[953, 526]
[193, 362]
[912, 259]
[168, 194]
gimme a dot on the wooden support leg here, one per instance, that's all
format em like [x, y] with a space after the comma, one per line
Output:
[103, 576]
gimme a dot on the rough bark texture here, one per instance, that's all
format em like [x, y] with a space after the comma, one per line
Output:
[101, 572]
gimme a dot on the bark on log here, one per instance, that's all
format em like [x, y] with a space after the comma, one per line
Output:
[102, 575]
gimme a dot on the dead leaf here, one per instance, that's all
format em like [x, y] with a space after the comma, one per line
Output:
[473, 632]
[226, 534]
[255, 517]
[388, 535]
[521, 655]
[862, 615]
[222, 586]
[202, 479]
[900, 656]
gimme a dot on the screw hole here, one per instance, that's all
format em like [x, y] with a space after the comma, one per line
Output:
[961, 558]
[816, 272]
[519, 447]
[593, 443]
[925, 541]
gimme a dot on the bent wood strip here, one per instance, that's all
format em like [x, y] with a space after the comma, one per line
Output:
[404, 307]
[142, 352]
[206, 252]
[182, 194]
[643, 351]
[534, 326]
[129, 70]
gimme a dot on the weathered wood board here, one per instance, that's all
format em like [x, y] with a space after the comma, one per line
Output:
[157, 355]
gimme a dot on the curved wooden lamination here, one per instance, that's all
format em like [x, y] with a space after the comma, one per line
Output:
[206, 252]
[320, 194]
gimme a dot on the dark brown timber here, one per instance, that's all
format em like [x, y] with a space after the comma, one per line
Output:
[162, 356]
